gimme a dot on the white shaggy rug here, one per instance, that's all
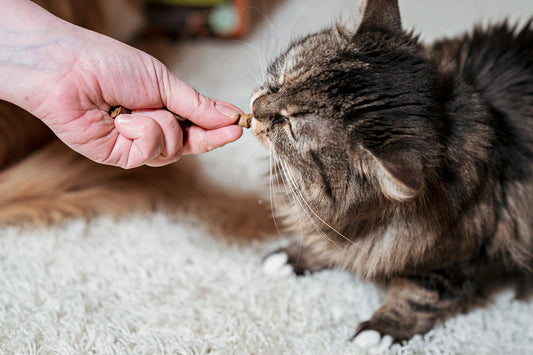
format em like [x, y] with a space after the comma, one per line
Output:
[191, 282]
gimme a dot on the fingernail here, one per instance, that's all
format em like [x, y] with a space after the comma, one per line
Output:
[121, 119]
[143, 112]
[227, 111]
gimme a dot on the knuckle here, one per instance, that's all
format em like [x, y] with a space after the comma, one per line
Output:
[202, 103]
[205, 146]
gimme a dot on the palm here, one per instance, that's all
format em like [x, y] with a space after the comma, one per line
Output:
[117, 74]
[77, 110]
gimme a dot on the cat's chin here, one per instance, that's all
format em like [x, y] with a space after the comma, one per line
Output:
[258, 129]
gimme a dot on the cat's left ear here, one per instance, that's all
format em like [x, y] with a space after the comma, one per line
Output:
[400, 175]
[380, 14]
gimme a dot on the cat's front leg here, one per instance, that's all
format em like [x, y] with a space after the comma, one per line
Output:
[414, 305]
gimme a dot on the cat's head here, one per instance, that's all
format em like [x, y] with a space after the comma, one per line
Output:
[349, 113]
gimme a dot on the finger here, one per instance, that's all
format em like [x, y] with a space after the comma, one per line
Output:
[172, 136]
[140, 141]
[201, 110]
[200, 140]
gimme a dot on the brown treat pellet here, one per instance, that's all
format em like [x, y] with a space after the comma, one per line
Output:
[245, 121]
[118, 110]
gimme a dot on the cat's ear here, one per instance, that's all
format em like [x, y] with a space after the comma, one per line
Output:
[380, 14]
[343, 32]
[400, 175]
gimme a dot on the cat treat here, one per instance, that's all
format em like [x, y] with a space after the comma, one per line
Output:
[244, 121]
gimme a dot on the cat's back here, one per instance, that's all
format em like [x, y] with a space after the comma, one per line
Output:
[493, 88]
[498, 63]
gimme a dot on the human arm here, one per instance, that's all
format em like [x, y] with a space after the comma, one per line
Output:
[70, 77]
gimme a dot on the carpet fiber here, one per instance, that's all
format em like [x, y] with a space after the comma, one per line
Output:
[190, 281]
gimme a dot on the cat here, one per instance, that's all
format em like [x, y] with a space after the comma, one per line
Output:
[404, 163]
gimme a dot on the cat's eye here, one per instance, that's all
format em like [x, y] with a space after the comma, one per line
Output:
[279, 119]
[274, 89]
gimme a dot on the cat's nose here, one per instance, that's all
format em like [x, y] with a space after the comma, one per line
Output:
[254, 97]
[267, 105]
[257, 107]
[262, 106]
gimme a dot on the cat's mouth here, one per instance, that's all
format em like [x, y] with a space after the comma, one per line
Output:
[256, 125]
[260, 130]
[260, 127]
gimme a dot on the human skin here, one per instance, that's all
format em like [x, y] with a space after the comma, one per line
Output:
[70, 77]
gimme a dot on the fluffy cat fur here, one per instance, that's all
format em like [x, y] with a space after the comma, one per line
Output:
[405, 163]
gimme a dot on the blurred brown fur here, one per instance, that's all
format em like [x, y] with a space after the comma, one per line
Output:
[120, 19]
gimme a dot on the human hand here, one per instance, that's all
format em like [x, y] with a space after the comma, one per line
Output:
[74, 76]
[108, 73]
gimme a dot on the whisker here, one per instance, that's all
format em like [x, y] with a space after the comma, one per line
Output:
[287, 200]
[272, 194]
[301, 197]
[268, 21]
[256, 58]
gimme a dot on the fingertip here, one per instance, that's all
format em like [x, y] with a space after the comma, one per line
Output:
[227, 135]
[207, 113]
[231, 113]
[127, 125]
[200, 140]
[230, 133]
[123, 119]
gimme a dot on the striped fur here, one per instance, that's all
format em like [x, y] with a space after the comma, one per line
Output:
[405, 163]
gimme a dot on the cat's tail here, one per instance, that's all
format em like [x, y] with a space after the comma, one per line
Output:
[56, 183]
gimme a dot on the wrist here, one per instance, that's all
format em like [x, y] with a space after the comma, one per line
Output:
[35, 52]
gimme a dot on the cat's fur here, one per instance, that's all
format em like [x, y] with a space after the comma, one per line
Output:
[405, 163]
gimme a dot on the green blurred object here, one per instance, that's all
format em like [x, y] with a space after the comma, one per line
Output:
[224, 20]
[189, 2]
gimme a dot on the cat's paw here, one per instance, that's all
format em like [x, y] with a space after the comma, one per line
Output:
[373, 341]
[277, 263]
[293, 259]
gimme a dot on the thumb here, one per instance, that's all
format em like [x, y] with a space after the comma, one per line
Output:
[185, 101]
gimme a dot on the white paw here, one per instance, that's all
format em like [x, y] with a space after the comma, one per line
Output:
[373, 341]
[276, 264]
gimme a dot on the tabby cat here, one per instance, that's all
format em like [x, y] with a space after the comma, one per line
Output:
[405, 163]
